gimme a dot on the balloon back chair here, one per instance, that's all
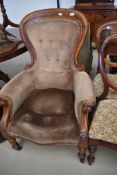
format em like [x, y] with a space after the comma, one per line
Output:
[103, 129]
[103, 32]
[49, 102]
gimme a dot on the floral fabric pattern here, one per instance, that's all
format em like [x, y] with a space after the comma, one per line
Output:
[99, 86]
[104, 124]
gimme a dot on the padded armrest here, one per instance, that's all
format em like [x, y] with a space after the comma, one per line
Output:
[83, 90]
[17, 89]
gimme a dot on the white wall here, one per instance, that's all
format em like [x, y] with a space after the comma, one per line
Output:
[115, 2]
[17, 9]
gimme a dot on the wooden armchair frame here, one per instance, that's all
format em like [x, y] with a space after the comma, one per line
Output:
[7, 101]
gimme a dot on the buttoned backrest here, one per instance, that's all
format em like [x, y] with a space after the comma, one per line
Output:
[54, 38]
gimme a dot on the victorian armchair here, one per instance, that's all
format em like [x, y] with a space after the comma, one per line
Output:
[103, 129]
[49, 102]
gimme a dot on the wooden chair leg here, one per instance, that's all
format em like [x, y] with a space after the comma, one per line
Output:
[92, 147]
[11, 140]
[14, 143]
[82, 155]
[82, 146]
[4, 77]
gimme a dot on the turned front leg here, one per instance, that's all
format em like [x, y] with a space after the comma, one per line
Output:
[82, 146]
[11, 139]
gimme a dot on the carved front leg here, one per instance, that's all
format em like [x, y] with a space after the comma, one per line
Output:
[4, 122]
[11, 140]
[83, 137]
[82, 146]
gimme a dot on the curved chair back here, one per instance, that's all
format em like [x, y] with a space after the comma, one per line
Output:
[58, 33]
[109, 81]
[105, 31]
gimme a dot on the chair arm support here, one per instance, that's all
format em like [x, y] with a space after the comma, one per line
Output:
[14, 93]
[83, 90]
[84, 101]
[85, 108]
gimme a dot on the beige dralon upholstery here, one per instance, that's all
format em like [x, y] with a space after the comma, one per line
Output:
[24, 84]
[46, 102]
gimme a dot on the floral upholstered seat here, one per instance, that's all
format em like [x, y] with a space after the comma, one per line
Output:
[99, 86]
[103, 127]
[104, 124]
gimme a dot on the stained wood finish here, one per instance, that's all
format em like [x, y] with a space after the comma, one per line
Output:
[18, 49]
[93, 144]
[97, 13]
[103, 50]
[4, 77]
[102, 61]
[6, 20]
[104, 31]
[9, 39]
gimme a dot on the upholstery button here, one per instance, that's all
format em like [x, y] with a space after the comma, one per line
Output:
[47, 120]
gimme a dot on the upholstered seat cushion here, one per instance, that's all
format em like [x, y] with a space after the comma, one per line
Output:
[98, 86]
[46, 116]
[104, 124]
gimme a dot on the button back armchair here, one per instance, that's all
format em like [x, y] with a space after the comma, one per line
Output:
[49, 102]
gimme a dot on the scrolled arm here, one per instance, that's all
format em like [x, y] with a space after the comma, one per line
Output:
[84, 101]
[83, 90]
[14, 93]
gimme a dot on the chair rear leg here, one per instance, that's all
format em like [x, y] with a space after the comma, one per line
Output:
[92, 149]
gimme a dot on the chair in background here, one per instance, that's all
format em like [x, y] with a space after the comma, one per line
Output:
[11, 44]
[49, 102]
[103, 129]
[103, 32]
